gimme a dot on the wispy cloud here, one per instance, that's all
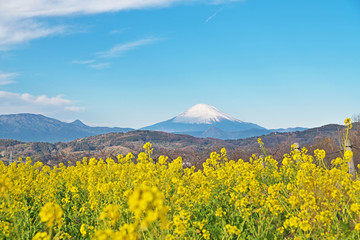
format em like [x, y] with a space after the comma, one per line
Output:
[115, 51]
[16, 31]
[214, 15]
[7, 78]
[93, 64]
[43, 8]
[24, 102]
[75, 109]
[218, 2]
[100, 66]
[19, 19]
[83, 61]
[120, 49]
[116, 31]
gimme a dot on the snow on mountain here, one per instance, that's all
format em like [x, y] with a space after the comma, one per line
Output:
[203, 113]
[203, 120]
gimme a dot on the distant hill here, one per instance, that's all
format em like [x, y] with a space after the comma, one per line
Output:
[38, 128]
[191, 148]
[305, 137]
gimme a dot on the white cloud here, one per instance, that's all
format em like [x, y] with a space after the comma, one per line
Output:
[44, 100]
[19, 31]
[214, 15]
[115, 51]
[100, 66]
[41, 8]
[116, 31]
[119, 49]
[6, 78]
[83, 61]
[16, 102]
[19, 19]
[92, 64]
[75, 109]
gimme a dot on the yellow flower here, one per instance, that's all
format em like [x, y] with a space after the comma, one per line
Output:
[219, 212]
[162, 159]
[347, 121]
[206, 234]
[319, 154]
[83, 230]
[337, 161]
[64, 235]
[293, 200]
[348, 155]
[5, 184]
[148, 201]
[355, 207]
[232, 229]
[111, 213]
[126, 232]
[41, 236]
[51, 213]
[169, 237]
[305, 226]
[151, 216]
[181, 190]
[129, 157]
[147, 146]
[6, 228]
[357, 227]
[291, 222]
[104, 234]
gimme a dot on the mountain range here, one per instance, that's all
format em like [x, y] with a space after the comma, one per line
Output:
[38, 128]
[201, 120]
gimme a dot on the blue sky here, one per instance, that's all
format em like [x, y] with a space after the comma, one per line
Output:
[133, 63]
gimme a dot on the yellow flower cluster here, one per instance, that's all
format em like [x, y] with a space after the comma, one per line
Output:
[348, 123]
[219, 212]
[150, 201]
[137, 197]
[5, 228]
[126, 232]
[5, 184]
[232, 229]
[51, 213]
[110, 213]
[41, 236]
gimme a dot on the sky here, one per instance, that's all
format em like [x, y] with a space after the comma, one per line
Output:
[133, 63]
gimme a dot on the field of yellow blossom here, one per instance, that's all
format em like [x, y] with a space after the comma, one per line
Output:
[297, 197]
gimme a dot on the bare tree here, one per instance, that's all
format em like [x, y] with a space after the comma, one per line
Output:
[355, 117]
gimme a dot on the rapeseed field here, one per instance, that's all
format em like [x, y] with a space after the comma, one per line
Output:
[296, 197]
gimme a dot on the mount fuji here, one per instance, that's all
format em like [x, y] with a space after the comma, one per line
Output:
[203, 120]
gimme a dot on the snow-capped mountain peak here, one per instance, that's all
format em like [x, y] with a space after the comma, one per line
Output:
[203, 114]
